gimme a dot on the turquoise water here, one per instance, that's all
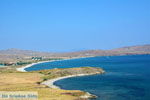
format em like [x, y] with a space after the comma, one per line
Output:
[126, 77]
[2, 66]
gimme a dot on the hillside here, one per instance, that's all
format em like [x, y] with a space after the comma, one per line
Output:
[14, 55]
[143, 48]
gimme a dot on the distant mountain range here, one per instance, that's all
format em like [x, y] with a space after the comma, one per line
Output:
[17, 54]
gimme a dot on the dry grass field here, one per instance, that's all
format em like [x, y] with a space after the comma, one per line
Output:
[29, 82]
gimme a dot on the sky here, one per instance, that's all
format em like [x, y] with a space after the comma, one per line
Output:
[72, 25]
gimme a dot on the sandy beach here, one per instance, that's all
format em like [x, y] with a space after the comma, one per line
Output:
[50, 83]
[22, 69]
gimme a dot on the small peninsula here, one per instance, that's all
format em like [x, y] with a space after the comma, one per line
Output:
[56, 74]
[52, 75]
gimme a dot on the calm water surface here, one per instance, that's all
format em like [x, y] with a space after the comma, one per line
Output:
[126, 77]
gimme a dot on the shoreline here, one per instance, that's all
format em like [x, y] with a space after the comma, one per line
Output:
[50, 82]
[22, 69]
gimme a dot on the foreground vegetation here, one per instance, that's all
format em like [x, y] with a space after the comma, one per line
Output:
[11, 80]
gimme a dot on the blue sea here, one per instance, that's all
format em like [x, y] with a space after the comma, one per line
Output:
[126, 77]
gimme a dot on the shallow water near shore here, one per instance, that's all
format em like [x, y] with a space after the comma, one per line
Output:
[126, 77]
[2, 66]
